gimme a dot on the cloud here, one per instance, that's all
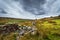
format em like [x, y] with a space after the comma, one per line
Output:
[14, 10]
[2, 11]
[33, 6]
[29, 9]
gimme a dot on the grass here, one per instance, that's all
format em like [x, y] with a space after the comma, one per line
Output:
[48, 29]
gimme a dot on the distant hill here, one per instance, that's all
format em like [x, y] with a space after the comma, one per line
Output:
[14, 18]
[6, 20]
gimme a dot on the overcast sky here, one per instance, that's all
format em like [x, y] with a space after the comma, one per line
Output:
[29, 9]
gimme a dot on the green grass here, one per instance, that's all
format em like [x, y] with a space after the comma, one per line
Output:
[48, 29]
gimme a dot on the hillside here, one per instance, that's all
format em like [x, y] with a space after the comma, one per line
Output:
[4, 20]
[47, 29]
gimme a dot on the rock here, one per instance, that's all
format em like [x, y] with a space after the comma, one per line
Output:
[9, 28]
[24, 28]
[29, 28]
[21, 32]
[33, 32]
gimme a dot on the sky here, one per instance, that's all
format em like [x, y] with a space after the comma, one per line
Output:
[29, 9]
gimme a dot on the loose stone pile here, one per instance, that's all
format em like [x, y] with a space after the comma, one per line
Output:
[20, 29]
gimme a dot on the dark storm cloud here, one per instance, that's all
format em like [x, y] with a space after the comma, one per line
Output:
[2, 11]
[33, 6]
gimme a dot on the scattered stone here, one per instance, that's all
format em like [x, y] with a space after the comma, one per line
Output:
[9, 28]
[20, 29]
